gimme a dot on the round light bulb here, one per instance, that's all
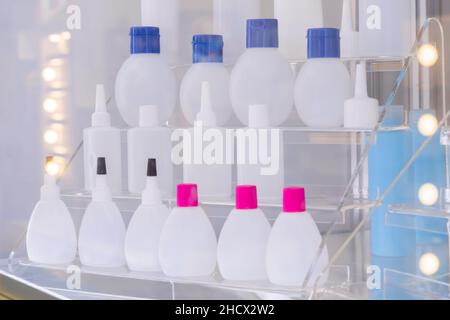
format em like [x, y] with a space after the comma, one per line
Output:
[50, 105]
[53, 168]
[428, 194]
[427, 55]
[51, 136]
[429, 264]
[66, 35]
[49, 74]
[428, 125]
[54, 38]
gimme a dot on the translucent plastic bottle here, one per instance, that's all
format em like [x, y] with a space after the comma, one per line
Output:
[188, 244]
[241, 251]
[51, 236]
[144, 230]
[207, 66]
[324, 83]
[102, 232]
[294, 244]
[150, 140]
[295, 17]
[102, 140]
[145, 78]
[230, 17]
[349, 36]
[262, 75]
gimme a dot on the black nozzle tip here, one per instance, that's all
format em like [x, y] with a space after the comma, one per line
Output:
[151, 168]
[101, 166]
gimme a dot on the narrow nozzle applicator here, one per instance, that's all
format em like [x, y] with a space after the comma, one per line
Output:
[101, 191]
[101, 117]
[206, 115]
[349, 37]
[151, 196]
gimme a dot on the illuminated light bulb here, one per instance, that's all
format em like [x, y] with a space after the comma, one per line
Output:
[428, 125]
[50, 105]
[428, 194]
[54, 38]
[429, 264]
[66, 35]
[49, 74]
[53, 168]
[427, 55]
[51, 136]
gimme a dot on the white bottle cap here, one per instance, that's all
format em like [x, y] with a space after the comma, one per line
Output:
[148, 117]
[206, 115]
[258, 116]
[50, 190]
[349, 37]
[101, 117]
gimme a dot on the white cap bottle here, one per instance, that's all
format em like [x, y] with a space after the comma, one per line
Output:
[361, 112]
[102, 140]
[102, 231]
[349, 37]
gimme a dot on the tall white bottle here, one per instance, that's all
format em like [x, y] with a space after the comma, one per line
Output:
[324, 83]
[102, 232]
[145, 78]
[262, 75]
[267, 176]
[102, 140]
[51, 236]
[144, 230]
[294, 244]
[361, 112]
[150, 140]
[349, 36]
[207, 66]
[241, 251]
[230, 17]
[166, 15]
[188, 244]
[214, 176]
[295, 17]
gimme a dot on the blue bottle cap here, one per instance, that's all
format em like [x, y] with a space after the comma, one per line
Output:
[324, 43]
[207, 48]
[262, 33]
[145, 40]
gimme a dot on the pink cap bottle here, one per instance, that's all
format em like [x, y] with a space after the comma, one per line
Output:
[294, 200]
[187, 195]
[246, 198]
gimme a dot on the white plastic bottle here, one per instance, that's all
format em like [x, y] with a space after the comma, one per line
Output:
[324, 83]
[188, 244]
[145, 78]
[102, 231]
[268, 177]
[207, 66]
[230, 17]
[102, 140]
[213, 176]
[349, 36]
[144, 230]
[361, 112]
[51, 236]
[150, 140]
[166, 15]
[295, 17]
[294, 244]
[241, 251]
[262, 75]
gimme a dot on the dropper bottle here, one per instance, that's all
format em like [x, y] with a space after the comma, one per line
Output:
[349, 37]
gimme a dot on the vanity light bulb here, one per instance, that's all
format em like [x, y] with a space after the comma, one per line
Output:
[428, 55]
[428, 194]
[428, 125]
[429, 264]
[51, 137]
[53, 168]
[49, 74]
[50, 105]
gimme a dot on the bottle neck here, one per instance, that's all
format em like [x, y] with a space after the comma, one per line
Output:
[101, 191]
[101, 119]
[151, 196]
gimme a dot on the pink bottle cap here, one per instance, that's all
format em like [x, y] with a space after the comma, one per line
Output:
[187, 195]
[294, 200]
[246, 198]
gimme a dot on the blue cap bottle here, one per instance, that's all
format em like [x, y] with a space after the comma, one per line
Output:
[145, 40]
[262, 33]
[207, 48]
[324, 43]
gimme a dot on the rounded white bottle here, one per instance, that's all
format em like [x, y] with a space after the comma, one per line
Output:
[102, 140]
[267, 172]
[145, 78]
[241, 250]
[262, 75]
[295, 17]
[51, 236]
[361, 112]
[294, 244]
[324, 83]
[150, 140]
[188, 244]
[144, 230]
[214, 162]
[207, 66]
[102, 231]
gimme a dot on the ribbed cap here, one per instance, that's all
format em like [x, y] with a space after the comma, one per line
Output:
[207, 48]
[324, 43]
[246, 198]
[262, 33]
[145, 40]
